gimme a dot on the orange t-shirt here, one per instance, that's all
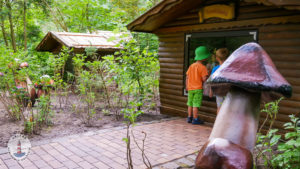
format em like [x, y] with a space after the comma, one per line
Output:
[195, 73]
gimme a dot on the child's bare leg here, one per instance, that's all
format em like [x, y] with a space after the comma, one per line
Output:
[190, 110]
[195, 112]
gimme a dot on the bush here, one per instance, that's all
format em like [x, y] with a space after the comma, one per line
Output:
[274, 152]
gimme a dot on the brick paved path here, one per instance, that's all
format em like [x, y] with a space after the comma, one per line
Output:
[166, 141]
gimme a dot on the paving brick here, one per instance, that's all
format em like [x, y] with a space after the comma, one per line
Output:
[70, 164]
[47, 157]
[85, 165]
[40, 163]
[166, 141]
[1, 162]
[90, 159]
[101, 165]
[16, 167]
[25, 163]
[31, 167]
[33, 157]
[11, 162]
[55, 164]
[5, 156]
[3, 167]
[75, 158]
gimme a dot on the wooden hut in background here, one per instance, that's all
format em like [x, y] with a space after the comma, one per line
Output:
[101, 42]
[54, 41]
[182, 25]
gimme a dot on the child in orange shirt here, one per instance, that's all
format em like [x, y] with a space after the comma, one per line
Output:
[195, 76]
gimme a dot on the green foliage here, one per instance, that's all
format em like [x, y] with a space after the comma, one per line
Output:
[273, 151]
[131, 113]
[289, 150]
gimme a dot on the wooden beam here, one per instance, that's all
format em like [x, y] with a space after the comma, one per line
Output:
[231, 24]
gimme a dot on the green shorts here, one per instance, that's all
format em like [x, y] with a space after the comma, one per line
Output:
[195, 98]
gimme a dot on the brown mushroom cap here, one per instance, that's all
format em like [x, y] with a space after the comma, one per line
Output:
[251, 68]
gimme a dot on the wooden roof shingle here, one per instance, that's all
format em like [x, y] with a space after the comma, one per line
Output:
[99, 40]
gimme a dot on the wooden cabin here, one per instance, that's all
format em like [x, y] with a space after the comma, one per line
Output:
[54, 41]
[103, 43]
[183, 25]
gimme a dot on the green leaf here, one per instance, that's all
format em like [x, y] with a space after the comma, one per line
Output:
[275, 140]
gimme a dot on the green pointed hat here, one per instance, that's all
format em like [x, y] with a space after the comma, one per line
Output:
[201, 53]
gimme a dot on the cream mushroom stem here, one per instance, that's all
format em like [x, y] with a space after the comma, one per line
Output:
[237, 120]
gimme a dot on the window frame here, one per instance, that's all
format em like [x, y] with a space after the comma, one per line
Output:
[229, 33]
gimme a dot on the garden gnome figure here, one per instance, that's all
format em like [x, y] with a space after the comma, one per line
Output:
[246, 77]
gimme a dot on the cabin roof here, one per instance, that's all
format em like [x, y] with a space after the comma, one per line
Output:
[99, 40]
[167, 10]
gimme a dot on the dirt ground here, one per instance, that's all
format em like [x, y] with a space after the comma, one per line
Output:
[67, 122]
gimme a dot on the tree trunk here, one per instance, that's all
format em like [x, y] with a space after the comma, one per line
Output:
[12, 32]
[25, 24]
[88, 26]
[2, 24]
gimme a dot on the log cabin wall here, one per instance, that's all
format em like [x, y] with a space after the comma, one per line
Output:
[281, 41]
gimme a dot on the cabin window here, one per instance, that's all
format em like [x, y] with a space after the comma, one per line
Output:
[213, 41]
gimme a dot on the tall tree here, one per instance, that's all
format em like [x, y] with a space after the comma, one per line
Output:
[12, 32]
[25, 24]
[2, 23]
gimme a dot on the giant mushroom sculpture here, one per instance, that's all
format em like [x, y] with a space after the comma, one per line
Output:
[246, 77]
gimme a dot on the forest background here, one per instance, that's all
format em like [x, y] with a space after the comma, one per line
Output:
[25, 22]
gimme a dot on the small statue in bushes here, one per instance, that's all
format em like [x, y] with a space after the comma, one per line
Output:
[44, 85]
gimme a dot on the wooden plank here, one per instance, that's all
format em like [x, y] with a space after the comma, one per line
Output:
[276, 124]
[170, 91]
[172, 71]
[172, 112]
[207, 103]
[279, 28]
[296, 89]
[192, 21]
[206, 117]
[182, 104]
[287, 65]
[280, 117]
[171, 76]
[174, 102]
[293, 81]
[255, 8]
[209, 110]
[279, 36]
[171, 60]
[172, 45]
[170, 54]
[173, 97]
[171, 81]
[177, 39]
[232, 24]
[171, 86]
[170, 49]
[171, 35]
[284, 49]
[266, 14]
[288, 110]
[284, 57]
[290, 103]
[188, 16]
[171, 65]
[295, 97]
[279, 43]
[290, 72]
[175, 107]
